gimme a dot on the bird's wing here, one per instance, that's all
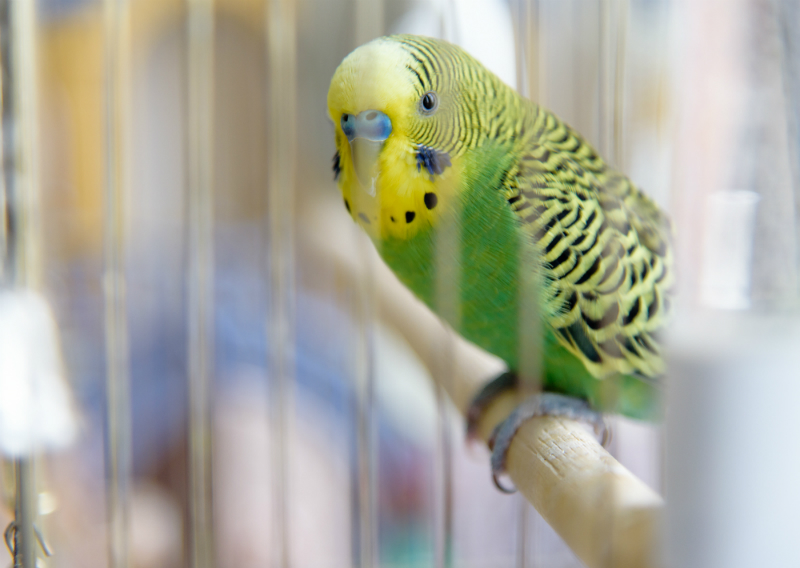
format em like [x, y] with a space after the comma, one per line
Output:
[605, 256]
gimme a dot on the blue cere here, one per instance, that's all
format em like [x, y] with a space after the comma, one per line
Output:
[370, 125]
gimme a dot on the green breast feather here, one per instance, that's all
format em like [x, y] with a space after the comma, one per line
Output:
[493, 267]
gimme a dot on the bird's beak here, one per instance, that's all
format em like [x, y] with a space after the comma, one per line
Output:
[366, 132]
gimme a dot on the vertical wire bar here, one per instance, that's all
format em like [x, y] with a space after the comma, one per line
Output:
[449, 25]
[523, 528]
[366, 423]
[606, 148]
[613, 40]
[9, 470]
[443, 535]
[26, 128]
[519, 17]
[200, 284]
[4, 209]
[366, 525]
[448, 293]
[620, 47]
[605, 99]
[281, 161]
[529, 47]
[7, 161]
[25, 514]
[621, 43]
[613, 29]
[605, 81]
[448, 279]
[369, 19]
[788, 15]
[118, 454]
[26, 257]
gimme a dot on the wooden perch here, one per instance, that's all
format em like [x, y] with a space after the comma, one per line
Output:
[607, 516]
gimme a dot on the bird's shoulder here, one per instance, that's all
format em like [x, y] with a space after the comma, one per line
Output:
[603, 249]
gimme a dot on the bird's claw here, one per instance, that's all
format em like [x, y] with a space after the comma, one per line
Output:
[543, 404]
[482, 400]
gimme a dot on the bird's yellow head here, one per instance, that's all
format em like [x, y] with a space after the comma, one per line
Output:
[403, 117]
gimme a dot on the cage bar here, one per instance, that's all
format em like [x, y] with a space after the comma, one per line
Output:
[605, 98]
[5, 30]
[528, 54]
[611, 91]
[443, 489]
[118, 429]
[366, 483]
[281, 183]
[528, 44]
[369, 24]
[25, 514]
[26, 192]
[448, 292]
[621, 44]
[24, 245]
[200, 275]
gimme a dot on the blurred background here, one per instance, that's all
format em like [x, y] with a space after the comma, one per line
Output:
[229, 392]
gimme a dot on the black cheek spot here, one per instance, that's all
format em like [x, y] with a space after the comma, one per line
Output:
[392, 219]
[431, 200]
[410, 216]
[364, 218]
[347, 205]
[337, 166]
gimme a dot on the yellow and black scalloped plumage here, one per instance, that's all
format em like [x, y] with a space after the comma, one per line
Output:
[604, 246]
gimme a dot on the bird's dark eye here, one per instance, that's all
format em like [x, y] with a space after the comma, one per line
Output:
[429, 101]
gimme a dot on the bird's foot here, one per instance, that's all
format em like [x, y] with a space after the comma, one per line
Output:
[543, 404]
[504, 382]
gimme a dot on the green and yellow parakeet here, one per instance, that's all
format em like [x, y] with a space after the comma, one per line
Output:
[425, 134]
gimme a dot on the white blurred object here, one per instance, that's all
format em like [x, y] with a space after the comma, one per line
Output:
[733, 460]
[728, 249]
[35, 403]
[482, 27]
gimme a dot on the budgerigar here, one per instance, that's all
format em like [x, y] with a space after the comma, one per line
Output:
[428, 138]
